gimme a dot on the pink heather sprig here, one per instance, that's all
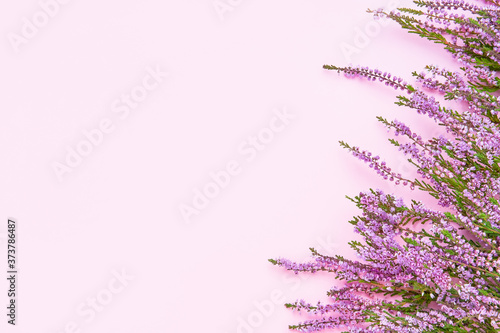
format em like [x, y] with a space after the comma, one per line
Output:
[440, 268]
[371, 75]
[380, 167]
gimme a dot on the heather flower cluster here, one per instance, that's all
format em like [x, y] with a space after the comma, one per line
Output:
[423, 269]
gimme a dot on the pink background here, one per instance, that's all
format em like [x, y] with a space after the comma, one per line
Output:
[119, 208]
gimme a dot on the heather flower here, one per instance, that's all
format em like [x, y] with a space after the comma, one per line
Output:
[439, 267]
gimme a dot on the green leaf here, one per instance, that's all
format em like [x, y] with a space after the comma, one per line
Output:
[411, 241]
[447, 234]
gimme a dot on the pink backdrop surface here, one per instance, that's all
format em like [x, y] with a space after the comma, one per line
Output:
[155, 154]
